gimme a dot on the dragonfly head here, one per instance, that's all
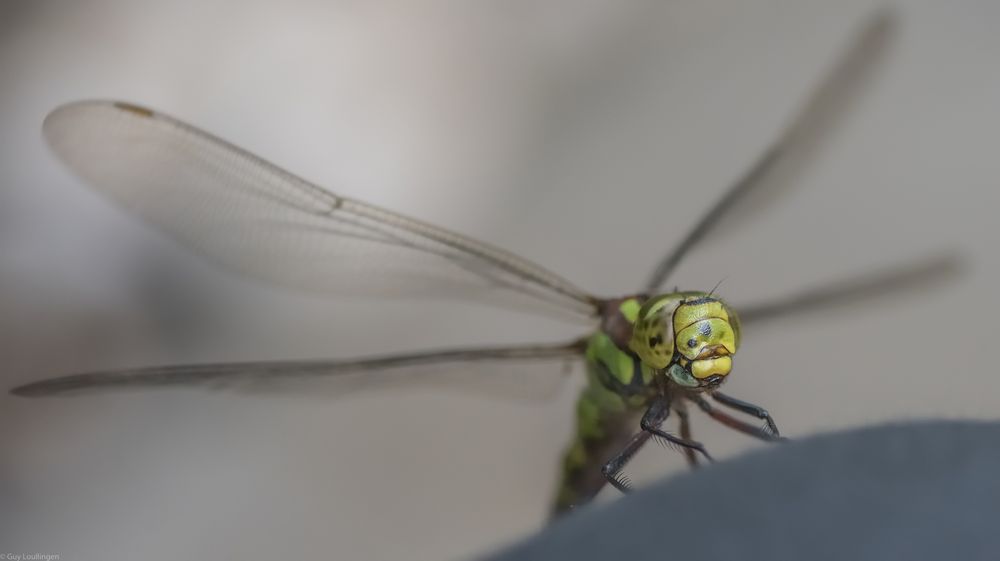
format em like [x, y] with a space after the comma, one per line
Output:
[692, 336]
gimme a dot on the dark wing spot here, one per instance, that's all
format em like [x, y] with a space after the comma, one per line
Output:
[135, 109]
[655, 341]
[692, 343]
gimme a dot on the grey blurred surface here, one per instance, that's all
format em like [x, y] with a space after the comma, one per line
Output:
[584, 135]
[924, 490]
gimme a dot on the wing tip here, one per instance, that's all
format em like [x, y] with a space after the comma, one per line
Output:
[54, 386]
[72, 108]
[34, 389]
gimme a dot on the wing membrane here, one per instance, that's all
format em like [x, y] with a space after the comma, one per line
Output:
[524, 372]
[795, 144]
[857, 291]
[263, 221]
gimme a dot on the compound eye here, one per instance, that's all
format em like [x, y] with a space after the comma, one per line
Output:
[710, 333]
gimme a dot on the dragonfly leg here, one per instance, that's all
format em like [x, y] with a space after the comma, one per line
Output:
[612, 470]
[734, 423]
[748, 408]
[650, 424]
[685, 426]
[654, 417]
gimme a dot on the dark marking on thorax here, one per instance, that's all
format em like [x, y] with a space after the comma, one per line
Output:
[619, 329]
[614, 324]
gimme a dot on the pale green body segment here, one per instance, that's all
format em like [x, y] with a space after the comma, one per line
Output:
[604, 413]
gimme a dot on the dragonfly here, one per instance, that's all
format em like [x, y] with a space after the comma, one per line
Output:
[649, 355]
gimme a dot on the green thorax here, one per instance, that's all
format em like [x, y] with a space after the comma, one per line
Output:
[637, 340]
[616, 376]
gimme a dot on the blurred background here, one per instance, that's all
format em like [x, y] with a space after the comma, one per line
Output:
[587, 136]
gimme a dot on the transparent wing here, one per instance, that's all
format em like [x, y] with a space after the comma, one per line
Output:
[526, 372]
[258, 219]
[857, 291]
[795, 146]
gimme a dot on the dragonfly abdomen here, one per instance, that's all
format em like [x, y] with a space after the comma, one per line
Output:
[617, 391]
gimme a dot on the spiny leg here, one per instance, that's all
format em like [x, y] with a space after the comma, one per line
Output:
[685, 422]
[748, 408]
[654, 417]
[612, 470]
[734, 423]
[650, 424]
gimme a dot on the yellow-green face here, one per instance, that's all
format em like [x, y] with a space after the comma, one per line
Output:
[700, 335]
[705, 337]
